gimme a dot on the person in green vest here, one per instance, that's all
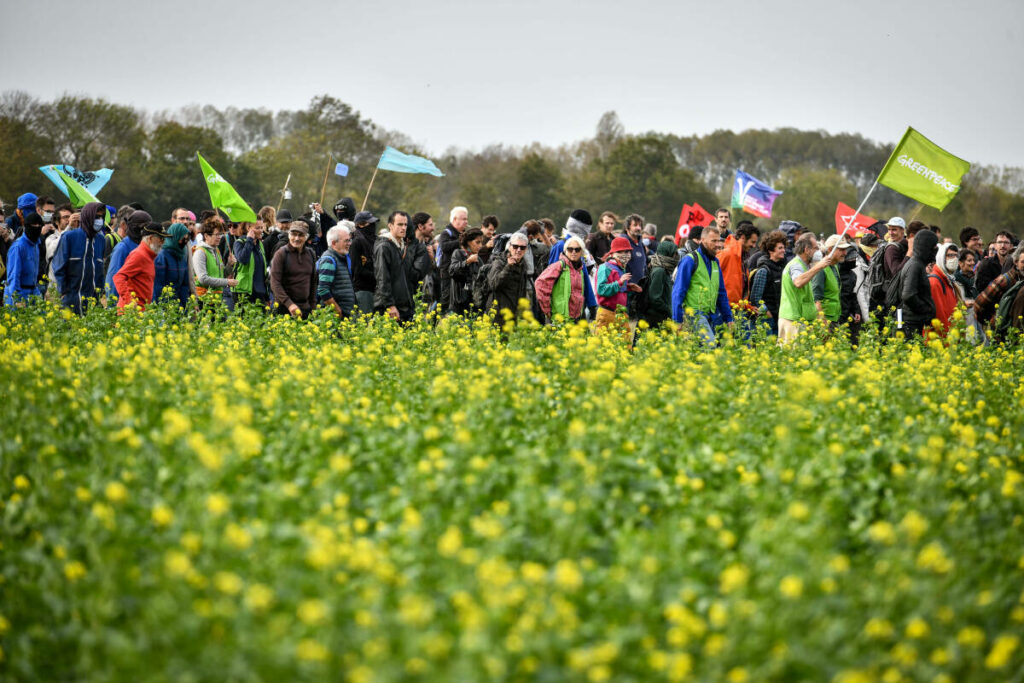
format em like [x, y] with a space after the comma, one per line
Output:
[797, 306]
[698, 295]
[251, 266]
[207, 264]
[826, 286]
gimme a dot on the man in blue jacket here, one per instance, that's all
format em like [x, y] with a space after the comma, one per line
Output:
[78, 263]
[136, 222]
[23, 263]
[699, 290]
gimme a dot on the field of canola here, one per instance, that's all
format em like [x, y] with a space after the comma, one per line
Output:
[261, 499]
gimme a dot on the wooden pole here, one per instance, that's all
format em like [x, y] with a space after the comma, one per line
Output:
[323, 188]
[283, 190]
[372, 178]
[913, 216]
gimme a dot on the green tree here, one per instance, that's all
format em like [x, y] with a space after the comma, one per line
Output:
[23, 152]
[809, 196]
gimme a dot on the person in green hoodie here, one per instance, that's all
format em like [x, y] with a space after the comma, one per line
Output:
[659, 283]
[171, 278]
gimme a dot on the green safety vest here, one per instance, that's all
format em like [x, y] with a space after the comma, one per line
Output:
[702, 296]
[797, 302]
[244, 271]
[830, 300]
[213, 268]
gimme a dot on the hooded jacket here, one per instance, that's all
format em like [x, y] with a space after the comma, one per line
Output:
[78, 263]
[172, 267]
[734, 272]
[916, 292]
[22, 271]
[361, 251]
[944, 291]
[659, 283]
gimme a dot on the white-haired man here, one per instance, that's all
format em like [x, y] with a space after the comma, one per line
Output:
[334, 271]
[458, 219]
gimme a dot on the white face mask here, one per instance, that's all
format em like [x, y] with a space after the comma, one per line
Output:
[47, 216]
[98, 224]
[817, 256]
[952, 264]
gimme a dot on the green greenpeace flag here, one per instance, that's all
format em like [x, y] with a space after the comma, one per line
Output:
[77, 195]
[224, 197]
[921, 170]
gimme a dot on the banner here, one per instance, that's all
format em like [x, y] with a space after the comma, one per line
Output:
[92, 181]
[224, 197]
[78, 196]
[923, 171]
[393, 160]
[753, 196]
[689, 217]
[843, 215]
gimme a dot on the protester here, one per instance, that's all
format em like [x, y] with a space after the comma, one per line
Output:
[970, 240]
[23, 263]
[894, 258]
[613, 285]
[390, 269]
[507, 276]
[364, 280]
[578, 224]
[722, 219]
[134, 280]
[463, 270]
[985, 302]
[650, 238]
[766, 279]
[136, 221]
[600, 241]
[278, 227]
[659, 283]
[292, 273]
[634, 226]
[458, 219]
[796, 307]
[992, 267]
[539, 246]
[171, 267]
[489, 227]
[918, 308]
[334, 271]
[251, 264]
[945, 293]
[420, 242]
[733, 260]
[25, 205]
[63, 222]
[826, 284]
[114, 233]
[964, 276]
[78, 263]
[698, 295]
[207, 264]
[559, 288]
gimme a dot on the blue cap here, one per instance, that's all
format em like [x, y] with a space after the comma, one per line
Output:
[27, 201]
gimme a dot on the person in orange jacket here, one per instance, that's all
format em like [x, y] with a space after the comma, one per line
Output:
[733, 260]
[944, 292]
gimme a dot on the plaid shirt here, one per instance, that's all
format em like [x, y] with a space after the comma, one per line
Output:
[984, 304]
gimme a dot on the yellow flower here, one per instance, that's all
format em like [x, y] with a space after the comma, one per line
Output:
[176, 563]
[162, 515]
[258, 597]
[934, 557]
[798, 511]
[917, 628]
[971, 636]
[450, 542]
[310, 650]
[227, 582]
[312, 612]
[733, 577]
[74, 570]
[882, 532]
[247, 441]
[791, 586]
[1001, 652]
[237, 537]
[878, 628]
[21, 482]
[567, 575]
[115, 492]
[217, 504]
[914, 525]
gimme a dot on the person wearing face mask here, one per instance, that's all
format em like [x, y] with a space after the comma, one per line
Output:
[916, 293]
[613, 285]
[135, 223]
[945, 293]
[23, 264]
[698, 295]
[171, 277]
[78, 262]
[134, 280]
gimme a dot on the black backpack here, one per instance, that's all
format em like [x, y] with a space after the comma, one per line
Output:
[639, 302]
[482, 294]
[893, 293]
[876, 280]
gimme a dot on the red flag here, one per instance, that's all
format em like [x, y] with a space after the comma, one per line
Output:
[843, 215]
[689, 217]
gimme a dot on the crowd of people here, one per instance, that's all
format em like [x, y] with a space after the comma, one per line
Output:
[907, 275]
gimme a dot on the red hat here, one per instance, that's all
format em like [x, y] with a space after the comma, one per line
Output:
[620, 244]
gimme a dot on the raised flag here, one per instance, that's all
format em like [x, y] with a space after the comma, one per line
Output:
[844, 225]
[393, 160]
[341, 169]
[690, 217]
[78, 196]
[752, 195]
[224, 197]
[923, 171]
[92, 181]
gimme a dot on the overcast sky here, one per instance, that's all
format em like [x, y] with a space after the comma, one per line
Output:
[468, 74]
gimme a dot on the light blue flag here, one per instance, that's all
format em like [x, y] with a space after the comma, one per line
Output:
[341, 169]
[393, 160]
[93, 181]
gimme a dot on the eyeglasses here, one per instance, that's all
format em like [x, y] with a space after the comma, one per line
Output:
[518, 247]
[573, 250]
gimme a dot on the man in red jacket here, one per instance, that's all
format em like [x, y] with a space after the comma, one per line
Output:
[134, 281]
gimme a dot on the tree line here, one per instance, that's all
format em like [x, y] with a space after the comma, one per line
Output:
[153, 154]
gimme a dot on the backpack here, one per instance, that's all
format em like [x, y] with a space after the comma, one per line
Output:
[640, 301]
[893, 293]
[876, 280]
[482, 294]
[1003, 322]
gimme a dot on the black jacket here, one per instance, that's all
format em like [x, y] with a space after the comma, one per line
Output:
[916, 292]
[848, 305]
[420, 264]
[988, 270]
[508, 283]
[390, 267]
[772, 294]
[448, 243]
[362, 252]
[463, 275]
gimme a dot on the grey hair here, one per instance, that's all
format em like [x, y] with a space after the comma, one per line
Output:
[576, 239]
[519, 238]
[803, 242]
[334, 234]
[651, 229]
[457, 209]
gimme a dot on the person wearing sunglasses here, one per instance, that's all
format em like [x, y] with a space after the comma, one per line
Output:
[507, 277]
[560, 287]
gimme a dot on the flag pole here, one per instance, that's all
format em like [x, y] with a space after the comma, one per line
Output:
[283, 190]
[854, 216]
[372, 178]
[913, 216]
[323, 188]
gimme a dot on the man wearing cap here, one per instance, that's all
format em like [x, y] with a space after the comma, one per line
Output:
[796, 307]
[23, 263]
[26, 205]
[896, 234]
[78, 263]
[134, 279]
[293, 273]
[826, 285]
[277, 234]
[698, 294]
[364, 280]
[390, 264]
[136, 222]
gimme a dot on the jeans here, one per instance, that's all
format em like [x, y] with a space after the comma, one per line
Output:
[364, 301]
